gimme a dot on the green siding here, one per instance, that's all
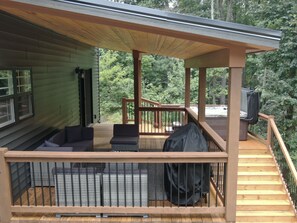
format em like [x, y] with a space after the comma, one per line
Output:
[52, 58]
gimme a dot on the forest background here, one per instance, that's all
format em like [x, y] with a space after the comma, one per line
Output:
[274, 74]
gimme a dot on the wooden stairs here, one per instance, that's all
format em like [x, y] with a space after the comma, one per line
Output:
[261, 194]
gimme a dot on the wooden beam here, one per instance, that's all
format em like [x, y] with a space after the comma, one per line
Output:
[137, 85]
[187, 87]
[5, 188]
[202, 94]
[232, 147]
[230, 57]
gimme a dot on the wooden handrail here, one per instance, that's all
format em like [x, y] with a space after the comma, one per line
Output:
[160, 109]
[272, 127]
[283, 148]
[129, 100]
[123, 157]
[213, 134]
[263, 116]
[150, 101]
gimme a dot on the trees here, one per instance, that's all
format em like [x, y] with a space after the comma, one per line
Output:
[273, 73]
[115, 82]
[276, 72]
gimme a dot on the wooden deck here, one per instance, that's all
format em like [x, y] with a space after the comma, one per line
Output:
[261, 195]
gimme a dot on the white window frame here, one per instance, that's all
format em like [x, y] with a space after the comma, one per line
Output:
[14, 96]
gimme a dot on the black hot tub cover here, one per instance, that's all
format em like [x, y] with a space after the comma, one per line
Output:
[185, 183]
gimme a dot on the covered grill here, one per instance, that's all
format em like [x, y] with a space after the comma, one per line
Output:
[185, 183]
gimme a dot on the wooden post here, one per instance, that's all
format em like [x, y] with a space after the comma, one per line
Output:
[124, 111]
[5, 189]
[202, 94]
[232, 145]
[137, 85]
[187, 87]
[269, 131]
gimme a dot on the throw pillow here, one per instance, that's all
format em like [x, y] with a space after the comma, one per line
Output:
[73, 133]
[50, 144]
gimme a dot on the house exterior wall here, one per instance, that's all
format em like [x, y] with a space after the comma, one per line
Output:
[52, 59]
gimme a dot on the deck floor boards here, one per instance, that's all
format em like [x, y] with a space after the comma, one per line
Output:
[103, 134]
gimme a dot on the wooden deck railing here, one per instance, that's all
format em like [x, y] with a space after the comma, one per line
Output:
[155, 118]
[56, 192]
[277, 145]
[75, 178]
[128, 108]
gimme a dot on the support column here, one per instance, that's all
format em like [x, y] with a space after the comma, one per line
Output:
[5, 189]
[232, 144]
[137, 85]
[187, 87]
[202, 94]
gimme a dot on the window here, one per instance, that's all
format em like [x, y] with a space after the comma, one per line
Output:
[15, 96]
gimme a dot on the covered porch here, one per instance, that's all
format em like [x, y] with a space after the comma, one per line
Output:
[202, 44]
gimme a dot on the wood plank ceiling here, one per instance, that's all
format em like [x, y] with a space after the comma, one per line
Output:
[116, 38]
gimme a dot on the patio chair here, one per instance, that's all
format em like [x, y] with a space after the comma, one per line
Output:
[125, 138]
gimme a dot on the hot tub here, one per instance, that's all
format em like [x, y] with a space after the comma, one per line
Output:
[216, 117]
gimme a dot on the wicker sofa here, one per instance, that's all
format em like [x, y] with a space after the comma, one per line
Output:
[70, 139]
[79, 138]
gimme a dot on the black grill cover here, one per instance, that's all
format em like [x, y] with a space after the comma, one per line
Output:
[185, 183]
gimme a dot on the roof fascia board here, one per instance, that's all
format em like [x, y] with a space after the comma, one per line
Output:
[213, 34]
[159, 14]
[232, 57]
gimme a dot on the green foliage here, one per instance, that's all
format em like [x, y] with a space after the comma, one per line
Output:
[193, 7]
[160, 4]
[115, 80]
[273, 73]
[216, 86]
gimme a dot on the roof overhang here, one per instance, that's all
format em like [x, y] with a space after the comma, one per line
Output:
[125, 28]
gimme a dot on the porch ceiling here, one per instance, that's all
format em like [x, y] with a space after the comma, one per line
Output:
[116, 38]
[126, 28]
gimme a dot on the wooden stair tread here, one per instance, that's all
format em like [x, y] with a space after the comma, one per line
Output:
[265, 213]
[259, 182]
[257, 164]
[252, 147]
[258, 173]
[253, 152]
[263, 202]
[260, 192]
[261, 196]
[253, 156]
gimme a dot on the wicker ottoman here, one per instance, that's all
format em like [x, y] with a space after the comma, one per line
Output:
[124, 185]
[77, 186]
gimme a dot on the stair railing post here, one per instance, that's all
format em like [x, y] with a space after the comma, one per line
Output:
[124, 111]
[269, 131]
[5, 189]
